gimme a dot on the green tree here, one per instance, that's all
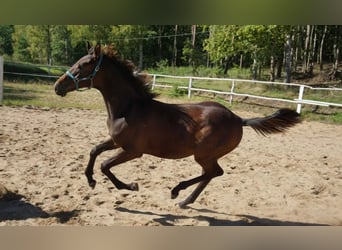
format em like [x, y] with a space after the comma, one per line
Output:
[131, 40]
[193, 51]
[61, 44]
[6, 39]
[79, 35]
[42, 43]
[39, 39]
[260, 45]
[226, 43]
[21, 44]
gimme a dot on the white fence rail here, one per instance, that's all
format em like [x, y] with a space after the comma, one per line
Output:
[299, 101]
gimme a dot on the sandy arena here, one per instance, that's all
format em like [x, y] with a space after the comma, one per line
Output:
[286, 179]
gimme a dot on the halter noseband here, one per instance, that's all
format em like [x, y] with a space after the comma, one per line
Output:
[90, 77]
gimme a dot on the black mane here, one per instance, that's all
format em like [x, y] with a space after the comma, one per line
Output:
[139, 81]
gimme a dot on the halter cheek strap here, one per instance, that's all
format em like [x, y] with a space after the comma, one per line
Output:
[90, 77]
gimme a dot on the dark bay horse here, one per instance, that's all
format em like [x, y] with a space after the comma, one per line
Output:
[138, 124]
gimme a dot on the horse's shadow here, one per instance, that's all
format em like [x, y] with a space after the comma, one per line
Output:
[246, 220]
[14, 207]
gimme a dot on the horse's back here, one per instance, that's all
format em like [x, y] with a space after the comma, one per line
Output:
[213, 104]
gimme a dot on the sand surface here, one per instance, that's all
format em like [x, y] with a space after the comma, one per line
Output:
[287, 179]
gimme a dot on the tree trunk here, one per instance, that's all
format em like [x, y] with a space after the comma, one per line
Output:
[272, 69]
[193, 32]
[241, 61]
[306, 49]
[160, 32]
[66, 51]
[288, 59]
[174, 54]
[226, 67]
[49, 47]
[336, 56]
[208, 60]
[193, 41]
[295, 59]
[298, 48]
[321, 48]
[255, 69]
[336, 50]
[141, 56]
[313, 51]
[279, 68]
[334, 74]
[310, 60]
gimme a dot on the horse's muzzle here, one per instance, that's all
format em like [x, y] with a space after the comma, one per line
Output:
[60, 90]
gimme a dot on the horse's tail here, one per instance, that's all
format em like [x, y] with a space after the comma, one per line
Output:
[278, 122]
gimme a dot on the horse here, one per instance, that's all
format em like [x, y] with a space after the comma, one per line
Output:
[139, 124]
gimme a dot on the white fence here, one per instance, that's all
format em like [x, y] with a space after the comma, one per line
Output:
[299, 101]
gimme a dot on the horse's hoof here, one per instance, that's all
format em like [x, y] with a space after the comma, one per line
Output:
[92, 184]
[134, 187]
[174, 194]
[183, 204]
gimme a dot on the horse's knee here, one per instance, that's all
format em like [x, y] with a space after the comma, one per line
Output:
[104, 167]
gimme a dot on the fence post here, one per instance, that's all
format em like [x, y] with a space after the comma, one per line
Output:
[1, 76]
[300, 98]
[189, 88]
[154, 81]
[231, 91]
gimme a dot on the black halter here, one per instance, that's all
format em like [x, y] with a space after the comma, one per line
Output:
[90, 77]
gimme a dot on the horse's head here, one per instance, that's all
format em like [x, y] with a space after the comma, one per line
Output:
[82, 73]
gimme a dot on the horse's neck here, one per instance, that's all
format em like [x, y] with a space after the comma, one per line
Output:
[117, 101]
[115, 107]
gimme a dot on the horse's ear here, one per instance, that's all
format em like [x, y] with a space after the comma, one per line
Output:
[88, 45]
[97, 50]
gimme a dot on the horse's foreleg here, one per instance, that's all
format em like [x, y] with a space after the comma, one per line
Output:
[97, 150]
[121, 157]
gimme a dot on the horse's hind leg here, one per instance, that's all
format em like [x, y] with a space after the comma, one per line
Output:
[193, 196]
[97, 150]
[211, 169]
[119, 158]
[185, 184]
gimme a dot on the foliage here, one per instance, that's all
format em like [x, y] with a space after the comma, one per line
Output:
[222, 47]
[21, 44]
[6, 46]
[255, 43]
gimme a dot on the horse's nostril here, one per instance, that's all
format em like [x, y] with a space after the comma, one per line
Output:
[59, 90]
[56, 89]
